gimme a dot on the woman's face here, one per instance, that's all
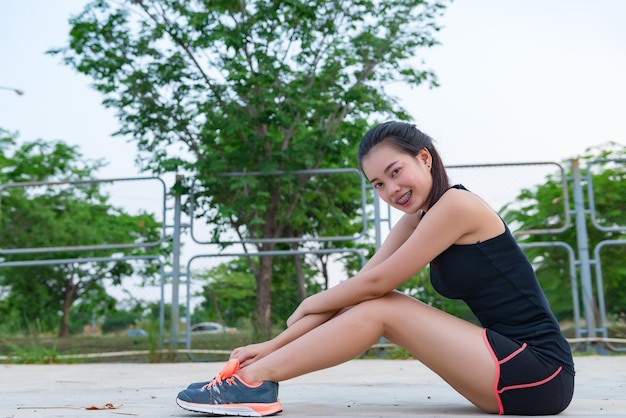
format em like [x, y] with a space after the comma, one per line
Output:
[401, 180]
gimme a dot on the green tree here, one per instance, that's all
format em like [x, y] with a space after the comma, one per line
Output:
[43, 211]
[208, 88]
[229, 294]
[124, 315]
[542, 207]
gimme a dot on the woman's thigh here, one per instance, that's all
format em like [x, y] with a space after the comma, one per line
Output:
[453, 348]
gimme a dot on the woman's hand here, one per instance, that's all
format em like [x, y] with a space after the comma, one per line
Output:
[295, 316]
[250, 353]
[301, 311]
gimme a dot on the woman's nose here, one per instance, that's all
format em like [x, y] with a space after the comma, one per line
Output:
[394, 188]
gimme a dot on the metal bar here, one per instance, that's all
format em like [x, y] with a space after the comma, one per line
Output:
[85, 247]
[572, 272]
[282, 172]
[600, 286]
[286, 240]
[175, 271]
[591, 197]
[257, 254]
[281, 253]
[102, 260]
[377, 222]
[77, 260]
[71, 182]
[582, 240]
[162, 310]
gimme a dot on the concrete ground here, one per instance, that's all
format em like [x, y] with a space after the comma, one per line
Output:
[359, 388]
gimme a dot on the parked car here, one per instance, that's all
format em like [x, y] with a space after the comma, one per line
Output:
[211, 328]
[134, 332]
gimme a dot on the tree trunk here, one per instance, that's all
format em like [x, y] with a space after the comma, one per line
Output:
[216, 307]
[324, 263]
[297, 261]
[263, 311]
[68, 299]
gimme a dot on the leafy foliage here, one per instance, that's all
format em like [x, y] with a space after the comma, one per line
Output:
[229, 296]
[210, 88]
[40, 210]
[543, 207]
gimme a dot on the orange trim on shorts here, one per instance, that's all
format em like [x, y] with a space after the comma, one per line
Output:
[506, 359]
[530, 385]
[513, 354]
[497, 377]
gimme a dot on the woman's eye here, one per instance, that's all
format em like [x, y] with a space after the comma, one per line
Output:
[395, 172]
[377, 185]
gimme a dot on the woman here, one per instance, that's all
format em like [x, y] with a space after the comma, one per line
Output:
[518, 362]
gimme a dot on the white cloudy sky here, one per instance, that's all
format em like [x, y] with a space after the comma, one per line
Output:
[529, 80]
[532, 80]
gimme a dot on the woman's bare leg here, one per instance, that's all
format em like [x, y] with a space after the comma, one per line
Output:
[451, 347]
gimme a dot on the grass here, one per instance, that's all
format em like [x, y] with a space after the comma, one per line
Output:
[120, 348]
[42, 349]
[32, 353]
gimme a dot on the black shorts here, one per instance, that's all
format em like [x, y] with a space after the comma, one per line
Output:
[525, 383]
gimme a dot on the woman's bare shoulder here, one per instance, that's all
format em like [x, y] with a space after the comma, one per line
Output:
[480, 221]
[411, 220]
[463, 200]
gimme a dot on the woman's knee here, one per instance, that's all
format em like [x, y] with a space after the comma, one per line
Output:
[377, 303]
[385, 307]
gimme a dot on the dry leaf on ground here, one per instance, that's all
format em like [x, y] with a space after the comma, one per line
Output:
[105, 406]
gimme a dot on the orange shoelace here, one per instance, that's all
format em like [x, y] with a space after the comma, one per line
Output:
[225, 374]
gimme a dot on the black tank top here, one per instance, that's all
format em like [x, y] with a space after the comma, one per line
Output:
[496, 280]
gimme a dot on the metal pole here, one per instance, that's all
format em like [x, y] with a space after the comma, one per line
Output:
[583, 252]
[175, 270]
[16, 91]
[377, 221]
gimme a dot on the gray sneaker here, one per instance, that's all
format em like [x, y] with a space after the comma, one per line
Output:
[227, 394]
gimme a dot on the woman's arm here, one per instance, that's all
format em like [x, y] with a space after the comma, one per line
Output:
[253, 352]
[398, 235]
[300, 325]
[457, 215]
[401, 231]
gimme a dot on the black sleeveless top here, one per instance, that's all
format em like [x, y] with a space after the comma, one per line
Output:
[496, 280]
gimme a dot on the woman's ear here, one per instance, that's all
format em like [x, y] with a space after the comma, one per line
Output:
[424, 157]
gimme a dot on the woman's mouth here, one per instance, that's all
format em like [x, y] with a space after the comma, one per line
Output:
[405, 198]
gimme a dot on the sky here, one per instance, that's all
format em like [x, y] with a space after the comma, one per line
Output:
[526, 80]
[533, 80]
[521, 81]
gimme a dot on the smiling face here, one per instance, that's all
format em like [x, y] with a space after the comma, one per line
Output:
[401, 180]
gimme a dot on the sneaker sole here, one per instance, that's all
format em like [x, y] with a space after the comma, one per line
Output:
[237, 410]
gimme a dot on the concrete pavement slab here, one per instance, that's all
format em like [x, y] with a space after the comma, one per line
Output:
[359, 388]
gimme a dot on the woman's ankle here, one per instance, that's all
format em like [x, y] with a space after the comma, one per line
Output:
[248, 376]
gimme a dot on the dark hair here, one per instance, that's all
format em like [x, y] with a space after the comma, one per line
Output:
[407, 139]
